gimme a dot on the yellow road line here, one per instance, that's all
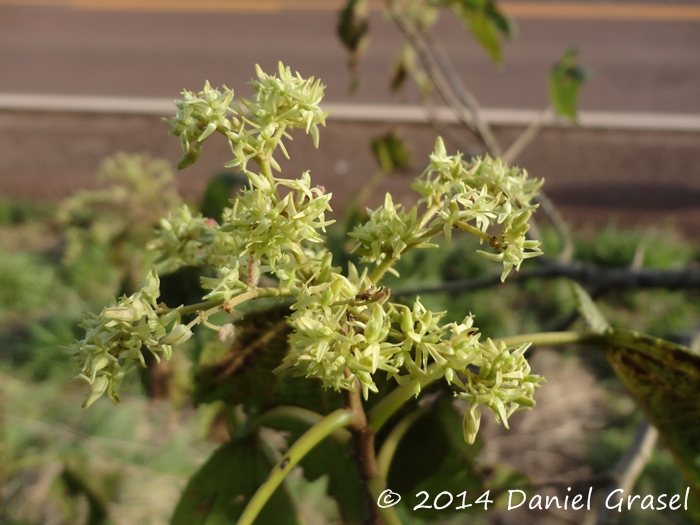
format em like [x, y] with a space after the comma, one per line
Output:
[581, 10]
[533, 10]
[237, 6]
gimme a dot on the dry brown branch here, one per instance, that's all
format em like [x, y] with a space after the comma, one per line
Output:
[583, 273]
[629, 467]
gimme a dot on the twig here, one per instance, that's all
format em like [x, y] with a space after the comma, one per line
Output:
[548, 207]
[583, 273]
[363, 448]
[446, 132]
[438, 77]
[466, 97]
[630, 466]
[595, 293]
[527, 136]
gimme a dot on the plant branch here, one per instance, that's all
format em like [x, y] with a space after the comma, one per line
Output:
[583, 273]
[469, 116]
[386, 408]
[329, 424]
[527, 136]
[255, 293]
[363, 448]
[466, 97]
[551, 211]
[550, 338]
[630, 466]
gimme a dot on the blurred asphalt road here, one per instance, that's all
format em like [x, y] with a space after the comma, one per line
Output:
[645, 58]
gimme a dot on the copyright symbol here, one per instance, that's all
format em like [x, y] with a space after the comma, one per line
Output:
[388, 498]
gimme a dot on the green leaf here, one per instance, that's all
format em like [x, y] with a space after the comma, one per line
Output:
[588, 310]
[449, 465]
[486, 22]
[243, 374]
[353, 31]
[664, 378]
[332, 459]
[565, 82]
[219, 492]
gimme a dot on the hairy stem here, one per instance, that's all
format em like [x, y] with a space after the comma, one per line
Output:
[366, 459]
[198, 307]
[329, 424]
[363, 447]
[475, 231]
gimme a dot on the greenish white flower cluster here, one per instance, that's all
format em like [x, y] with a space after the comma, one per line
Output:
[343, 335]
[345, 329]
[389, 232]
[184, 239]
[115, 340]
[254, 128]
[486, 197]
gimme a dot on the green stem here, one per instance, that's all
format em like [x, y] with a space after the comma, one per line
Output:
[476, 231]
[265, 169]
[255, 293]
[375, 486]
[391, 443]
[429, 214]
[303, 415]
[383, 410]
[206, 305]
[549, 338]
[386, 408]
[381, 269]
[338, 419]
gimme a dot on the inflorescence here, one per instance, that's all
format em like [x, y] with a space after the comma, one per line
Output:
[345, 328]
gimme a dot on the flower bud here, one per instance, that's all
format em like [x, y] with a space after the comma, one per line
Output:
[99, 387]
[178, 335]
[122, 313]
[227, 334]
[470, 423]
